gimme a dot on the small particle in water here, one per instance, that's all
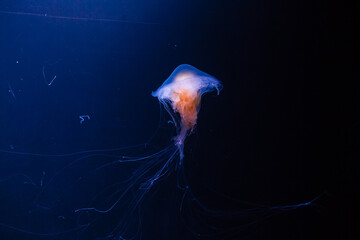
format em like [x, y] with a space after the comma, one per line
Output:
[172, 45]
[82, 117]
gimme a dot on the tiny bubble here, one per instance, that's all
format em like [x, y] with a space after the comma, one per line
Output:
[17, 61]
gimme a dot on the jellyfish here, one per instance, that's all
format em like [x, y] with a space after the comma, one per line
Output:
[109, 197]
[181, 93]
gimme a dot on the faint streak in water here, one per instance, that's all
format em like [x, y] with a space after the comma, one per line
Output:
[45, 15]
[52, 80]
[44, 75]
[42, 179]
[11, 91]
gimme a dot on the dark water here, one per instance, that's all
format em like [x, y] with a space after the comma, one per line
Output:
[76, 79]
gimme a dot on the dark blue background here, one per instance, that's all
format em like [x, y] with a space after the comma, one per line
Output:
[283, 130]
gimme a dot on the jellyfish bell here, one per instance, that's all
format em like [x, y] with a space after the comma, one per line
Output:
[181, 93]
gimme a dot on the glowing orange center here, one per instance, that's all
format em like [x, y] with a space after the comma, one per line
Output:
[186, 103]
